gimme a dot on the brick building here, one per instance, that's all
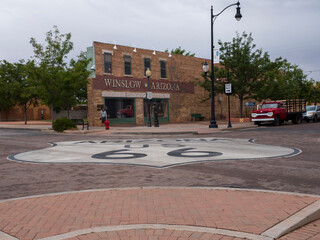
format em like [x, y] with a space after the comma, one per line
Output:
[118, 82]
[40, 112]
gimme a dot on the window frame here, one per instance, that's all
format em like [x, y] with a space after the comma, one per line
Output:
[105, 63]
[125, 66]
[145, 67]
[163, 69]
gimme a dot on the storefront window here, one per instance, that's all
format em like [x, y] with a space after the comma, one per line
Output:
[161, 105]
[120, 107]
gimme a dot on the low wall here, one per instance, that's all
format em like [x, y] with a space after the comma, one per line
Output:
[72, 114]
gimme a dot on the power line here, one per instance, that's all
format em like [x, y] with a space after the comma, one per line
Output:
[318, 70]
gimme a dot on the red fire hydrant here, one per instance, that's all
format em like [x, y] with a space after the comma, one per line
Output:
[107, 124]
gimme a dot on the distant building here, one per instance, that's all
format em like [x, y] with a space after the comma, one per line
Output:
[40, 112]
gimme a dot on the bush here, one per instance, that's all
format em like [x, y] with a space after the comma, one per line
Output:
[62, 124]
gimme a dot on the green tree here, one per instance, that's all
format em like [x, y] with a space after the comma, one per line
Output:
[180, 51]
[73, 88]
[245, 64]
[282, 81]
[27, 93]
[312, 92]
[18, 85]
[254, 76]
[7, 86]
[60, 83]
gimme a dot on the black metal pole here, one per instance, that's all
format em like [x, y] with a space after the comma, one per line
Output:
[229, 124]
[213, 123]
[149, 118]
[315, 98]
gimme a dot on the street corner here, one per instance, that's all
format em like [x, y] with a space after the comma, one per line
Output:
[154, 211]
[159, 153]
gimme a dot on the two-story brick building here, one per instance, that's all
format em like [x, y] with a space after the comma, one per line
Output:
[118, 82]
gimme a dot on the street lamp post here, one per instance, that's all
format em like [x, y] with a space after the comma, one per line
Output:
[238, 16]
[149, 96]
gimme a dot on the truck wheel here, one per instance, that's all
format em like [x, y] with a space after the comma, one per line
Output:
[315, 119]
[276, 121]
[257, 123]
[294, 120]
[298, 119]
[123, 115]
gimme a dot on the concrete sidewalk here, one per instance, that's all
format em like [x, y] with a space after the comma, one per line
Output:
[161, 213]
[167, 129]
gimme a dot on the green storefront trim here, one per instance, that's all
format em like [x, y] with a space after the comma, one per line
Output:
[122, 120]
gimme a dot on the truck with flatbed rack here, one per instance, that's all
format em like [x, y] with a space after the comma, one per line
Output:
[277, 112]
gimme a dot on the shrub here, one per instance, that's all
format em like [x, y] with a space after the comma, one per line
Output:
[62, 124]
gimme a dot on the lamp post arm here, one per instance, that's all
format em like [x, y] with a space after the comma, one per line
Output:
[215, 16]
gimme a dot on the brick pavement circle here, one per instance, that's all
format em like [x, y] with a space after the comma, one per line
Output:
[226, 210]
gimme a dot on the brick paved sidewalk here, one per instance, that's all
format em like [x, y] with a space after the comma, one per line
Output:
[150, 213]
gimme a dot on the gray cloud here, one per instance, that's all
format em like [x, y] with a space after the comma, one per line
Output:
[286, 28]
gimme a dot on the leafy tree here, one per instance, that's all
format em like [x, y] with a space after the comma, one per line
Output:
[60, 83]
[180, 51]
[74, 86]
[7, 86]
[245, 65]
[19, 85]
[52, 64]
[282, 81]
[312, 93]
[205, 82]
[254, 75]
[27, 93]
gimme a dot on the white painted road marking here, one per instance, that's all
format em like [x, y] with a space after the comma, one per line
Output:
[153, 152]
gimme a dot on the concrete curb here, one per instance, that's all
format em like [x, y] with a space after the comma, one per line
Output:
[223, 232]
[4, 236]
[155, 133]
[304, 216]
[173, 187]
[193, 130]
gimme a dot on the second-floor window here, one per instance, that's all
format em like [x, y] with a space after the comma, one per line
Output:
[147, 64]
[108, 63]
[163, 69]
[127, 65]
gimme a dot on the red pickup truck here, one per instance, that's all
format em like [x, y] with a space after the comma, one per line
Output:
[277, 112]
[126, 112]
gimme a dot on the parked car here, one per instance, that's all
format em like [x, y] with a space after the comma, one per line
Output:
[312, 113]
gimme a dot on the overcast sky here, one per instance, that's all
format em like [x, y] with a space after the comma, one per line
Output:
[286, 28]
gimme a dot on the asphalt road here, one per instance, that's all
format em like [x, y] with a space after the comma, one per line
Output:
[293, 174]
